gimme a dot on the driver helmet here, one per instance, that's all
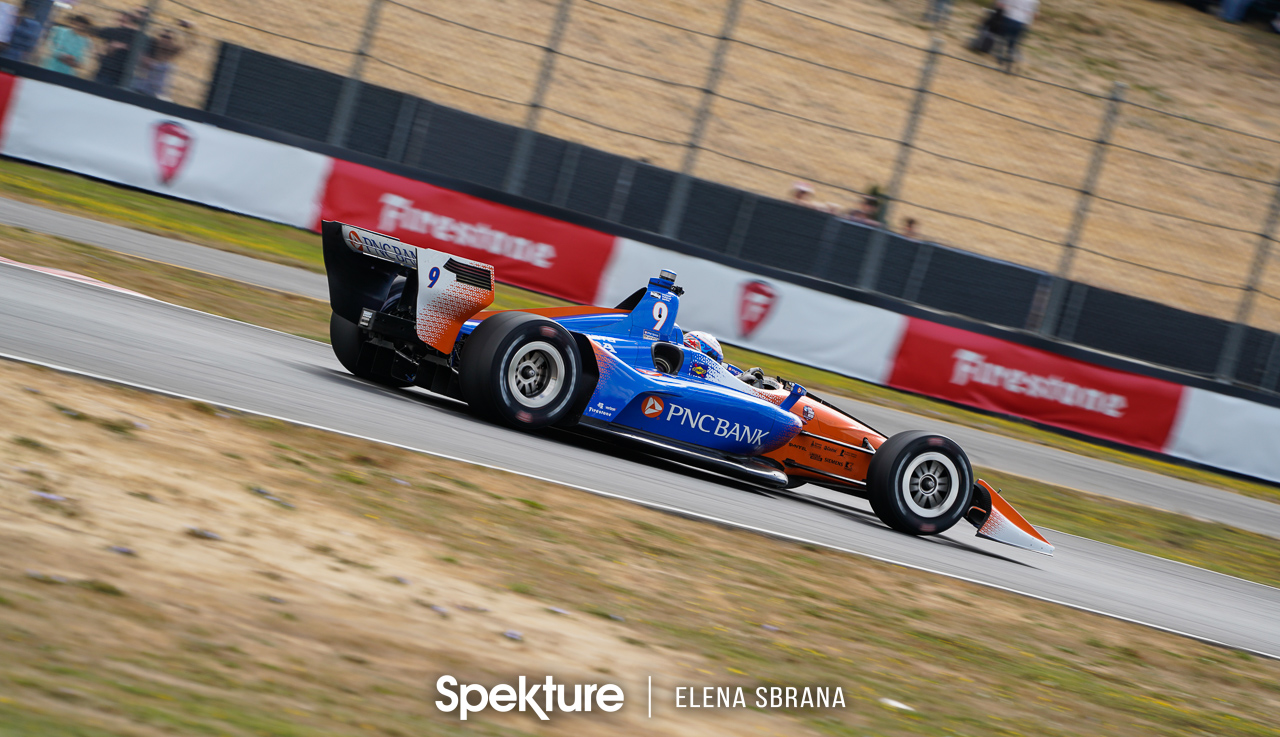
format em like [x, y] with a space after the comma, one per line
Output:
[704, 342]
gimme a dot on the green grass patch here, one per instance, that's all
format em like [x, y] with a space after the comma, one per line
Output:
[1209, 545]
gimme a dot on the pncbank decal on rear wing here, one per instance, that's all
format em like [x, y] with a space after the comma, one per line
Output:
[385, 247]
[442, 291]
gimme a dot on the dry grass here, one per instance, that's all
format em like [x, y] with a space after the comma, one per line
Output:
[317, 618]
[1172, 57]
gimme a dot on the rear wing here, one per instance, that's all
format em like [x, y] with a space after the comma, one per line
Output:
[362, 265]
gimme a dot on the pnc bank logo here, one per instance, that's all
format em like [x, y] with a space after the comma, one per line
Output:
[652, 407]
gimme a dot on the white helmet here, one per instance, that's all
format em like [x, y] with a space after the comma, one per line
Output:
[706, 343]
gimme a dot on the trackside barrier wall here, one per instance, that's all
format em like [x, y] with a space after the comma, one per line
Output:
[582, 259]
[62, 127]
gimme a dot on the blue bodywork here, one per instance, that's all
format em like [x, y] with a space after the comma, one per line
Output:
[701, 404]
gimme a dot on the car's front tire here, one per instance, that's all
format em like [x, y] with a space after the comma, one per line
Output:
[920, 483]
[521, 370]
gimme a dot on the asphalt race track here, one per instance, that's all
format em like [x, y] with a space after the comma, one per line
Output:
[992, 450]
[135, 340]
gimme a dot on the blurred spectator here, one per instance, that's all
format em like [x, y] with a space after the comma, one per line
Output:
[1018, 15]
[938, 12]
[69, 46]
[115, 52]
[988, 29]
[152, 75]
[910, 230]
[26, 35]
[865, 213]
[1233, 11]
[802, 194]
[8, 19]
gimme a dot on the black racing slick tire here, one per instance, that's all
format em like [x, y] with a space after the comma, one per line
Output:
[355, 354]
[920, 483]
[521, 370]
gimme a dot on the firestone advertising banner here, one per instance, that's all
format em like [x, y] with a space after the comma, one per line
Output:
[92, 135]
[1000, 376]
[525, 249]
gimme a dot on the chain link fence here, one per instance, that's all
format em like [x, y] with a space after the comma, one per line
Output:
[1088, 184]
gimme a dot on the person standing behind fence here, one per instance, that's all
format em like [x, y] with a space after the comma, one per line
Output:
[69, 46]
[26, 35]
[938, 12]
[115, 53]
[152, 76]
[1018, 15]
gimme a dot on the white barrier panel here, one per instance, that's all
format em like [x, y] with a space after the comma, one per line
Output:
[770, 316]
[92, 135]
[1227, 432]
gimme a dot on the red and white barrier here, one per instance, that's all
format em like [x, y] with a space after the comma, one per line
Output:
[1014, 379]
[770, 316]
[525, 249]
[92, 135]
[1227, 432]
[111, 140]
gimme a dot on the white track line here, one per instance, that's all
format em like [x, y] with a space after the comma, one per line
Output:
[641, 502]
[71, 276]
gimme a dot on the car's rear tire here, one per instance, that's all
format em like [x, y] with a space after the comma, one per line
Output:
[521, 370]
[355, 354]
[920, 483]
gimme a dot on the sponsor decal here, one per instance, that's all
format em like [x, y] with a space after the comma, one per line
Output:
[381, 247]
[699, 370]
[399, 213]
[653, 407]
[1001, 376]
[172, 141]
[807, 412]
[970, 366]
[708, 423]
[754, 305]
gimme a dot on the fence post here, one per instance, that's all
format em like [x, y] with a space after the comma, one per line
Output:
[875, 249]
[524, 139]
[346, 108]
[1235, 335]
[139, 43]
[679, 197]
[1057, 290]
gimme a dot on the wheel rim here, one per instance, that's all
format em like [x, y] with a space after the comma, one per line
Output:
[930, 484]
[535, 374]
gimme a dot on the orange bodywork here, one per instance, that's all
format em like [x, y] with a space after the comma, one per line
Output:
[803, 455]
[554, 312]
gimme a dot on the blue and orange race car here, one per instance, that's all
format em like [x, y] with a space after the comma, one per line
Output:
[406, 316]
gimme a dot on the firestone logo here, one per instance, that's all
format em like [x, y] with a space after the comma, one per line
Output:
[971, 366]
[172, 142]
[755, 304]
[399, 213]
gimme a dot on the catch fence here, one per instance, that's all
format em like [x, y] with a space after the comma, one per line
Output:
[1103, 187]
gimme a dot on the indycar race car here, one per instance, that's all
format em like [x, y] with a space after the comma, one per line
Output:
[407, 316]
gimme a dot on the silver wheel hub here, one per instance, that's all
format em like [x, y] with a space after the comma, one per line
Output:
[930, 484]
[535, 374]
